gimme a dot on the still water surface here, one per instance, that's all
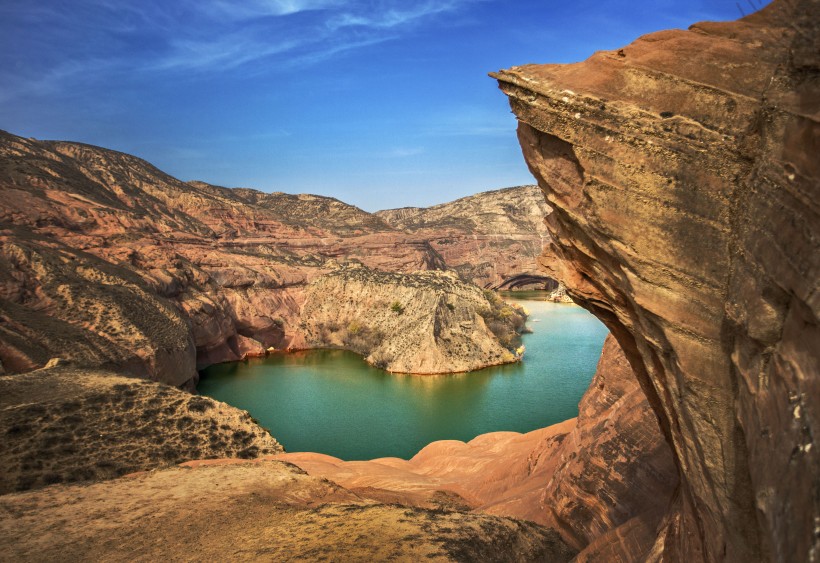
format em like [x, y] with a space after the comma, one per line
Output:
[331, 401]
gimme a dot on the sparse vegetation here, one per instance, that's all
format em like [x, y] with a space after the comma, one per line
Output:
[107, 430]
[397, 308]
[505, 321]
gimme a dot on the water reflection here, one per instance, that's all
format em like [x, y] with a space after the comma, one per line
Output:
[331, 401]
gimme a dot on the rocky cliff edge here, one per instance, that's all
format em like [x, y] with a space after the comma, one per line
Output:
[683, 175]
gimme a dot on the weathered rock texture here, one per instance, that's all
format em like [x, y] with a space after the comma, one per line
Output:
[268, 510]
[684, 179]
[107, 261]
[63, 425]
[603, 480]
[492, 239]
[423, 323]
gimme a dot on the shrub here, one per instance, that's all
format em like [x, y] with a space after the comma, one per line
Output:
[396, 307]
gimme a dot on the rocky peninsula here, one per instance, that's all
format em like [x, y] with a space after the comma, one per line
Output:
[422, 323]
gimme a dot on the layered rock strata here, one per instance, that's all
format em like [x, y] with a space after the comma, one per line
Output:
[683, 175]
[492, 238]
[107, 261]
[423, 323]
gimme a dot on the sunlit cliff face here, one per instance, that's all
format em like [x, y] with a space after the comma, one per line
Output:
[677, 169]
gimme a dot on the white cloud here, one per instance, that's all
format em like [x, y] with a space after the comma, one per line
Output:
[390, 17]
[251, 9]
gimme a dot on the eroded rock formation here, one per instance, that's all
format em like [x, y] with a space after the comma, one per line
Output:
[107, 261]
[422, 323]
[683, 175]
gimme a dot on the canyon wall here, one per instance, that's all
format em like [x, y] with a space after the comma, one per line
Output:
[683, 175]
[107, 261]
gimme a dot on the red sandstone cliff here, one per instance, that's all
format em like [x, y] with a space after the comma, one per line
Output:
[107, 261]
[684, 179]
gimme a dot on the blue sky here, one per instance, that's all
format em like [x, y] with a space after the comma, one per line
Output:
[381, 103]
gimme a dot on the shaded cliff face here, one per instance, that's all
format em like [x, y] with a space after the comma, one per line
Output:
[684, 179]
[492, 239]
[423, 323]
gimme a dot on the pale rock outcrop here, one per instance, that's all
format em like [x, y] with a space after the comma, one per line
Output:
[423, 323]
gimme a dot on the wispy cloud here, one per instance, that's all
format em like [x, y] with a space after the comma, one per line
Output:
[391, 17]
[224, 53]
[50, 46]
[251, 9]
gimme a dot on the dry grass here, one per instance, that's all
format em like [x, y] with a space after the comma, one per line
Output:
[103, 426]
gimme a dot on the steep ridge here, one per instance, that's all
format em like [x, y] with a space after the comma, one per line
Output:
[684, 183]
[492, 238]
[107, 261]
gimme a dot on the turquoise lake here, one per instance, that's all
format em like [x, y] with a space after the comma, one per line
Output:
[331, 401]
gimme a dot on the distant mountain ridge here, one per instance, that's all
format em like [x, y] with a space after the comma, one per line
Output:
[107, 260]
[493, 238]
[518, 210]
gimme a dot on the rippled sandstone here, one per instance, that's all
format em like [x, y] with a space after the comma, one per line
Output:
[251, 511]
[683, 175]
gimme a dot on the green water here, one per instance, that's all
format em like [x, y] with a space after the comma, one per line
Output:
[331, 401]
